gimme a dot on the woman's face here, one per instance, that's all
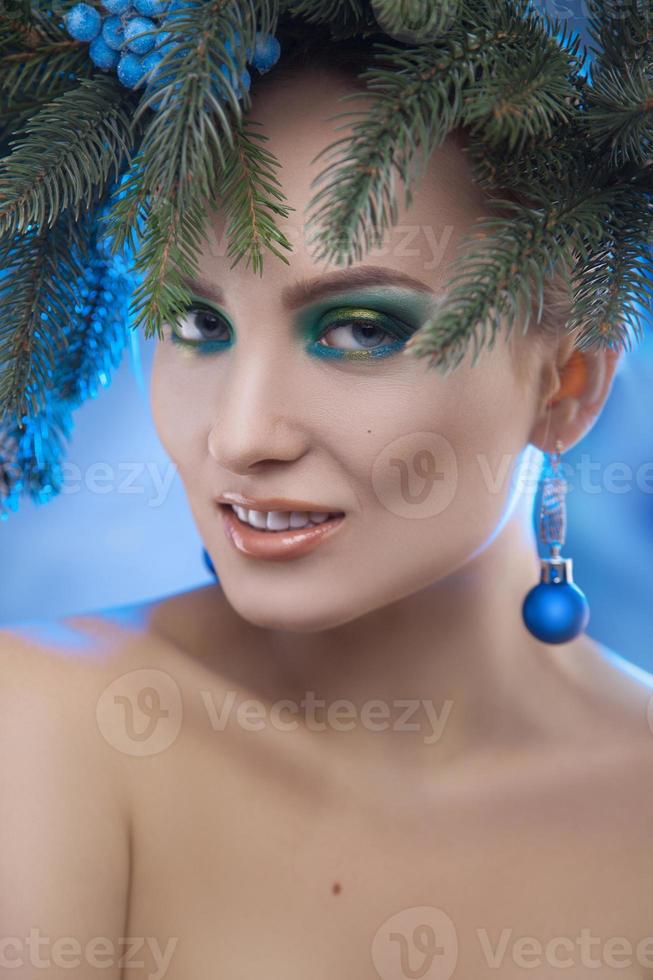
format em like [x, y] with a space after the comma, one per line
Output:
[271, 405]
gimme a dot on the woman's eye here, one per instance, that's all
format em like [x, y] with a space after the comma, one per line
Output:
[362, 331]
[199, 324]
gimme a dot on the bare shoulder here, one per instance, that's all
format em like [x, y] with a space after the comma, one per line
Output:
[609, 757]
[103, 674]
[66, 825]
[613, 694]
[53, 674]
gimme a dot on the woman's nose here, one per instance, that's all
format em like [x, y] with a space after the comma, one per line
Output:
[260, 415]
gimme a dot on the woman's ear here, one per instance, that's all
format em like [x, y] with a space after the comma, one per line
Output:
[574, 388]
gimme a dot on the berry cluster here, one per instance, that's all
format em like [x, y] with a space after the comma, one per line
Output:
[131, 39]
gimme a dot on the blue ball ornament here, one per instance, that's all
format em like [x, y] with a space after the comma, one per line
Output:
[267, 51]
[83, 22]
[101, 54]
[555, 612]
[135, 27]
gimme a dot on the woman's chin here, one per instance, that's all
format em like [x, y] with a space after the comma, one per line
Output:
[291, 615]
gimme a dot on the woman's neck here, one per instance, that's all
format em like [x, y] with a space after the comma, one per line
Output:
[418, 682]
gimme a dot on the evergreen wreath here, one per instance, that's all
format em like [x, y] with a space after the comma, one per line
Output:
[124, 122]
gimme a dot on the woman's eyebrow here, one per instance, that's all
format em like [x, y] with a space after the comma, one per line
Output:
[306, 291]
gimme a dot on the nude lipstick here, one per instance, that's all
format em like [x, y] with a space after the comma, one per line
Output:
[277, 545]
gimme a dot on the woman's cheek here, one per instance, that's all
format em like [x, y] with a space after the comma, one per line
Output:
[172, 409]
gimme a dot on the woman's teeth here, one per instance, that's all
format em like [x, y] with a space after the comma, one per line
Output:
[280, 520]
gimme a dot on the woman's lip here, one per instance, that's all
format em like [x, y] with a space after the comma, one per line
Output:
[276, 545]
[275, 503]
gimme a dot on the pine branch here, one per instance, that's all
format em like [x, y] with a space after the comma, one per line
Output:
[166, 257]
[63, 317]
[496, 270]
[343, 16]
[415, 102]
[620, 113]
[41, 74]
[622, 31]
[174, 236]
[325, 11]
[37, 285]
[124, 222]
[617, 272]
[535, 171]
[528, 97]
[248, 187]
[45, 174]
[98, 331]
[190, 146]
[16, 25]
[190, 126]
[30, 457]
[417, 20]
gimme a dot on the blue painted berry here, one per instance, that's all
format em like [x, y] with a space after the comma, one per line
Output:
[238, 83]
[151, 8]
[266, 52]
[175, 9]
[135, 27]
[130, 69]
[83, 22]
[113, 32]
[173, 46]
[245, 80]
[231, 77]
[116, 6]
[230, 48]
[158, 82]
[101, 54]
[150, 63]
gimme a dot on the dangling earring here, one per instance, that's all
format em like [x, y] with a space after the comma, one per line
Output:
[208, 562]
[555, 610]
